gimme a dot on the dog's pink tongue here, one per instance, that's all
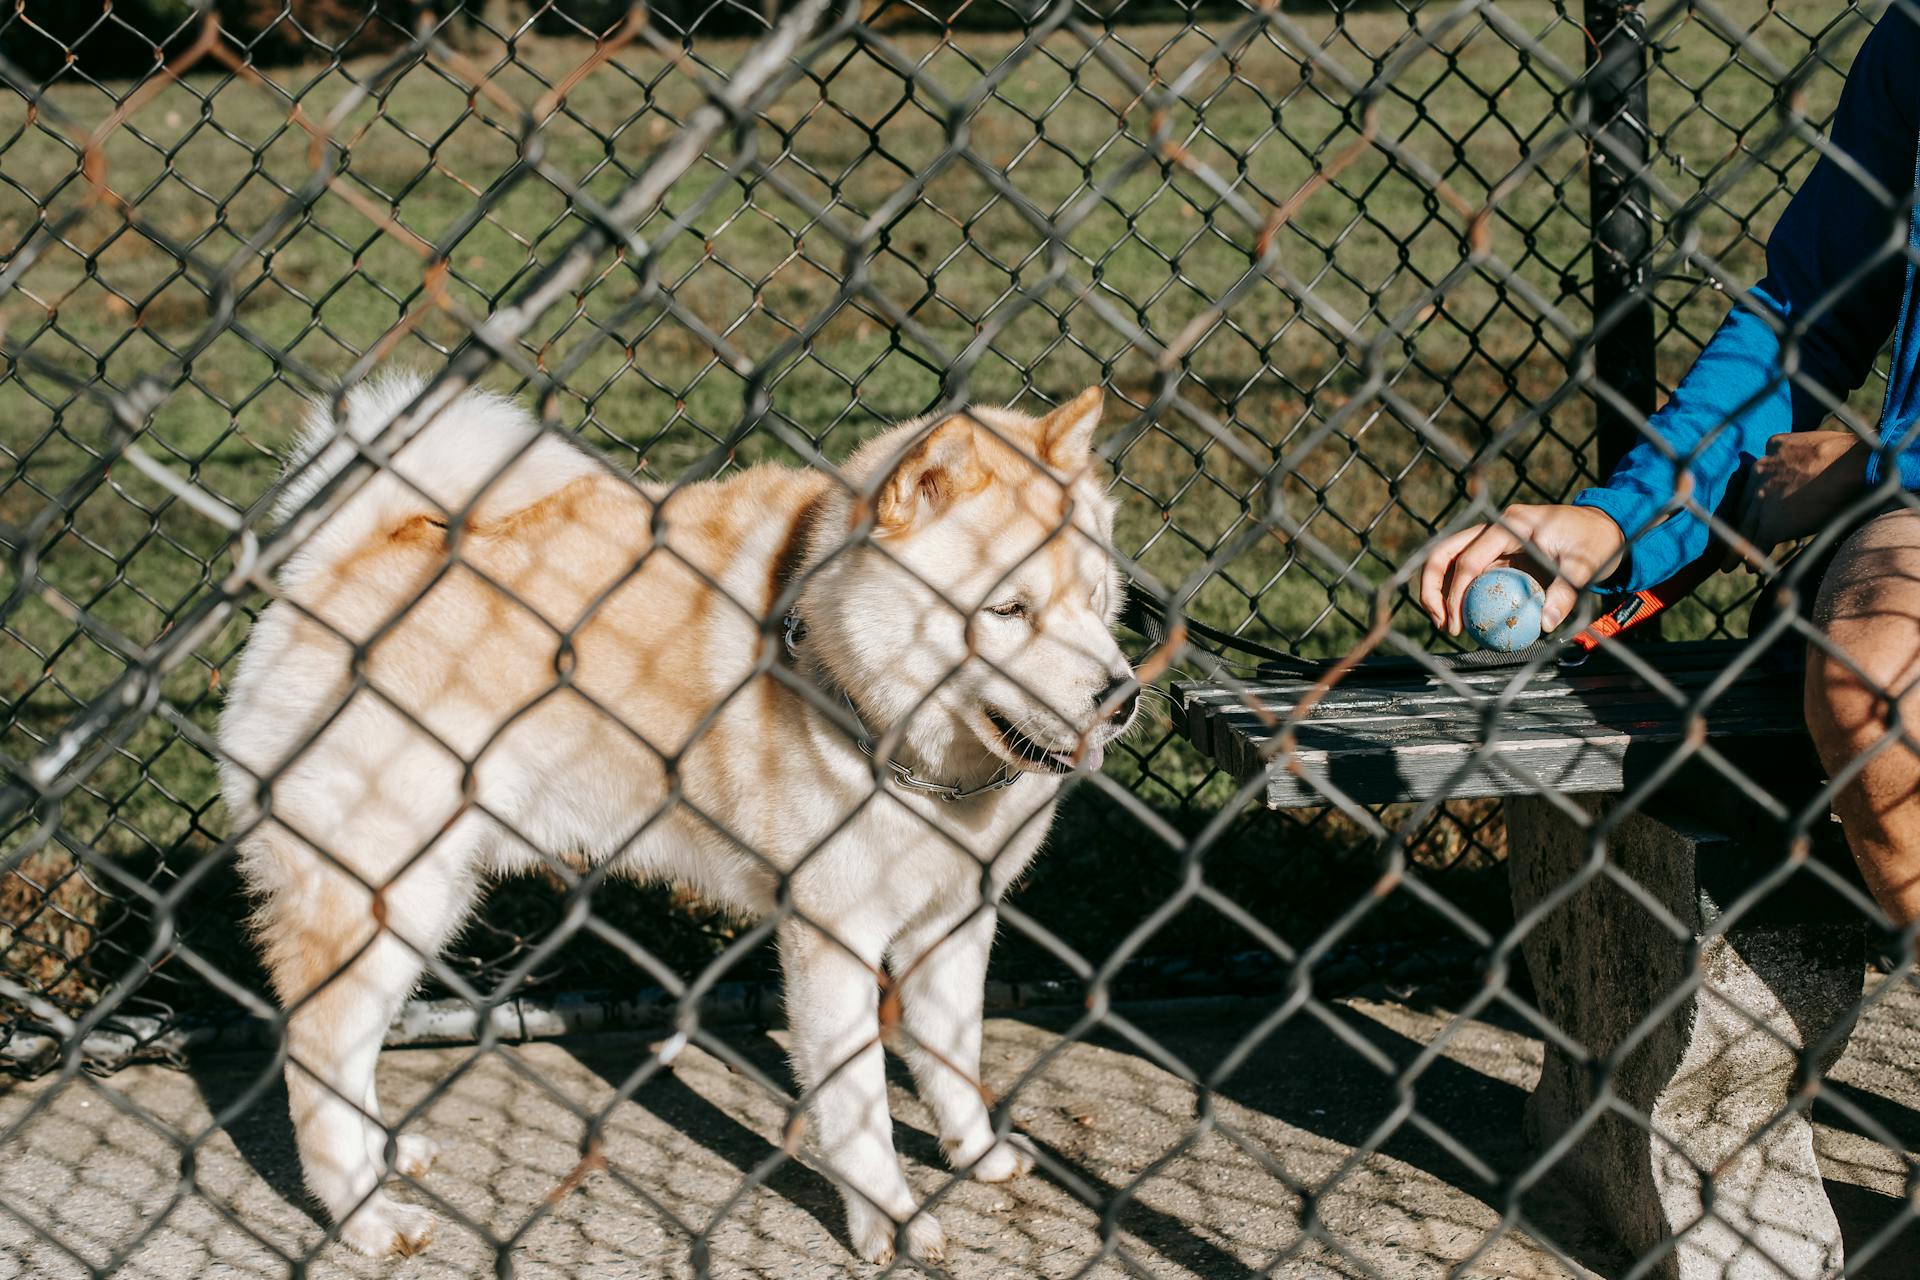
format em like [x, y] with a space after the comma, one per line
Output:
[1092, 756]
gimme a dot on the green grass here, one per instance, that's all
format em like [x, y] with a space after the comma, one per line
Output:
[855, 151]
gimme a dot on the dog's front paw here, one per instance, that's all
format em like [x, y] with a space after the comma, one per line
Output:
[874, 1234]
[415, 1154]
[385, 1228]
[1010, 1158]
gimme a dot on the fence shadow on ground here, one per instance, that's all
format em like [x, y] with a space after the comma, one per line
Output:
[512, 1125]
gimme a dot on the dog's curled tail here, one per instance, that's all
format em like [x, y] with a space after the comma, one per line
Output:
[482, 456]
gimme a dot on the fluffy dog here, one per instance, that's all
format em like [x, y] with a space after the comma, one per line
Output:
[497, 651]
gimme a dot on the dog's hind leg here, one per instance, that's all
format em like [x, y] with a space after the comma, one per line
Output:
[941, 970]
[833, 1011]
[343, 956]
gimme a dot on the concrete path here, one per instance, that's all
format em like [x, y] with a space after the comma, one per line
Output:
[135, 1173]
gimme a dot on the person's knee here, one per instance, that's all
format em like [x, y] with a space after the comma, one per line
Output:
[1865, 663]
[1855, 677]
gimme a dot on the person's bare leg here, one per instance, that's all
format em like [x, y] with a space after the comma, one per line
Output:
[1869, 611]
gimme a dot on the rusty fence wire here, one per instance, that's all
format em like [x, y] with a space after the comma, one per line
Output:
[1335, 271]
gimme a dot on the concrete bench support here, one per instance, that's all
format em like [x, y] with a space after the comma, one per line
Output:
[1714, 1073]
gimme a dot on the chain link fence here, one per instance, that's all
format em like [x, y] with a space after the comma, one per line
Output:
[1349, 277]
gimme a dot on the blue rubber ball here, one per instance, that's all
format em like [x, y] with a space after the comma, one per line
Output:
[1502, 610]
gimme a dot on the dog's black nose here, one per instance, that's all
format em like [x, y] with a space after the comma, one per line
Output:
[1118, 698]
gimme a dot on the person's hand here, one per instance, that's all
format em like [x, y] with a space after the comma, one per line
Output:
[1578, 545]
[1806, 479]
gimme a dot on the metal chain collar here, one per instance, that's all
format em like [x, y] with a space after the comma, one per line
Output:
[794, 630]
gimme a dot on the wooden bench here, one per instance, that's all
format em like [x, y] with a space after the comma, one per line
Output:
[1768, 954]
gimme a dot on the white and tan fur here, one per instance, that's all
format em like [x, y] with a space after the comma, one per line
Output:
[499, 652]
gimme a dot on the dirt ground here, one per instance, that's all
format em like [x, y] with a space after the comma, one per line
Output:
[157, 1172]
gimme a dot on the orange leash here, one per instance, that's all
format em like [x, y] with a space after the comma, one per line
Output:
[1644, 605]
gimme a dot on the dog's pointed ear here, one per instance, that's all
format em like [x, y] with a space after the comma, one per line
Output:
[943, 466]
[1066, 434]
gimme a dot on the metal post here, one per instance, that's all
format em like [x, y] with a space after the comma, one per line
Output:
[1616, 96]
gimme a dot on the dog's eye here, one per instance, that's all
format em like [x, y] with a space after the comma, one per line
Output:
[1010, 609]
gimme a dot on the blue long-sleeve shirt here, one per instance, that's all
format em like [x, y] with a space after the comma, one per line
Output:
[1840, 279]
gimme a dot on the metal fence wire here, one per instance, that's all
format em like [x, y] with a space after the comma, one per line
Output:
[1276, 295]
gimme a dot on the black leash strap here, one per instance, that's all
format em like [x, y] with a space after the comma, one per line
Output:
[1146, 615]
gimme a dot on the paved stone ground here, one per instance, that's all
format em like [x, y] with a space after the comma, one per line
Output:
[98, 1163]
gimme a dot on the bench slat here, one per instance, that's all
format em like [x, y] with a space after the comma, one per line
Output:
[1385, 738]
[1389, 721]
